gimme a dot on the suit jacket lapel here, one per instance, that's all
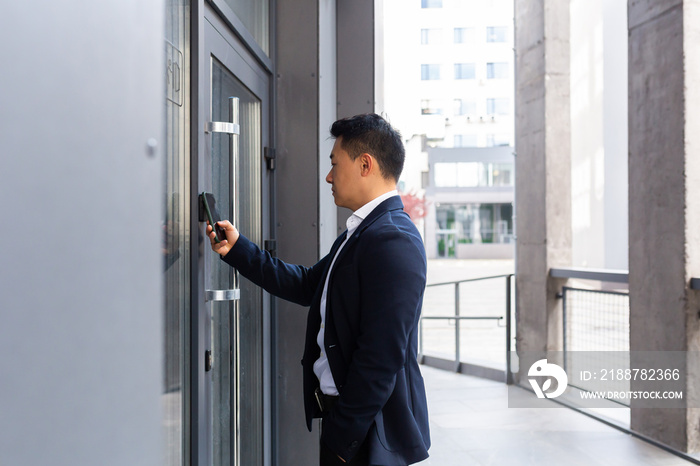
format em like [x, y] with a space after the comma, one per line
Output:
[393, 203]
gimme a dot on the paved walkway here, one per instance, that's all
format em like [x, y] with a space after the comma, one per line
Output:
[471, 424]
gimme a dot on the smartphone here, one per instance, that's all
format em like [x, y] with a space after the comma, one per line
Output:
[220, 233]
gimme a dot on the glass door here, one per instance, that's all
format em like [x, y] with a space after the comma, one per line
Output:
[231, 311]
[176, 246]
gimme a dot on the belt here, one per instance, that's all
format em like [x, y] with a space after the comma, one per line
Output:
[325, 402]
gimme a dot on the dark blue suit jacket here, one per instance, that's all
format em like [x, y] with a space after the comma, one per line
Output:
[374, 298]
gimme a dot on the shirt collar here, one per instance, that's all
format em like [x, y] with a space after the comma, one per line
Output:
[360, 214]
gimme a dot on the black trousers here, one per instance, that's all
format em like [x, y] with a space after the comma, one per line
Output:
[328, 458]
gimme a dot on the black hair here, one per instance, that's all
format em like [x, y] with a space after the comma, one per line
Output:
[372, 134]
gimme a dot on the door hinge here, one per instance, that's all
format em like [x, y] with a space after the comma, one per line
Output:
[270, 157]
[271, 247]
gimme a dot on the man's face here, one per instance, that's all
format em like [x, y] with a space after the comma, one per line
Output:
[344, 177]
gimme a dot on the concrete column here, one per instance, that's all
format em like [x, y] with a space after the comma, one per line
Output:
[664, 194]
[543, 166]
[359, 65]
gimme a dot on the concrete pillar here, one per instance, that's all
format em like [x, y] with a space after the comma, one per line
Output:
[543, 166]
[359, 65]
[664, 194]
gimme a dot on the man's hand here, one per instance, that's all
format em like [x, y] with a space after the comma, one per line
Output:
[225, 245]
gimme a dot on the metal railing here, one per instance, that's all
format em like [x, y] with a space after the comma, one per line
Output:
[602, 275]
[595, 323]
[615, 312]
[595, 320]
[457, 365]
[570, 335]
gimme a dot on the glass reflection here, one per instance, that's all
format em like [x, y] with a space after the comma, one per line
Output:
[246, 346]
[254, 14]
[176, 234]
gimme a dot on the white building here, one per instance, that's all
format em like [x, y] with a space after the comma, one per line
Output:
[449, 87]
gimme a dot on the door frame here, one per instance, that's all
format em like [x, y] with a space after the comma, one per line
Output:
[211, 35]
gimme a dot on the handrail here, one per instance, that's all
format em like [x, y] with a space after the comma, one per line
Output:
[463, 317]
[469, 280]
[603, 275]
[456, 316]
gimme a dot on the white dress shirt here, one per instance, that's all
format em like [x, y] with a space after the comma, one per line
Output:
[321, 367]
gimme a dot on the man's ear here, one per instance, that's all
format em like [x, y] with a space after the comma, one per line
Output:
[367, 164]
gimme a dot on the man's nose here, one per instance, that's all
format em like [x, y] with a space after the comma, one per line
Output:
[329, 178]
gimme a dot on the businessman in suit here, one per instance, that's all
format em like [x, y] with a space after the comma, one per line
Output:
[361, 375]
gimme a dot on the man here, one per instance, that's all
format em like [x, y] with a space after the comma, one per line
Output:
[361, 375]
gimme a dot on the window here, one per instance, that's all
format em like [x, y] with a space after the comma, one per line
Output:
[465, 140]
[500, 106]
[462, 174]
[464, 35]
[255, 16]
[465, 107]
[430, 36]
[445, 175]
[429, 72]
[474, 223]
[496, 34]
[430, 107]
[431, 3]
[465, 71]
[501, 174]
[493, 140]
[472, 174]
[497, 70]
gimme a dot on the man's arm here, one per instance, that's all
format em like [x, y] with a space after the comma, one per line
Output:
[294, 283]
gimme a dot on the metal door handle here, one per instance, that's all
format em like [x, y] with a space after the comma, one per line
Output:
[222, 127]
[222, 295]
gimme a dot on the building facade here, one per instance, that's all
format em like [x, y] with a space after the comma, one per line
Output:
[449, 84]
[470, 214]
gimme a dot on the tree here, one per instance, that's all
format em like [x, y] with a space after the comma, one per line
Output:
[414, 205]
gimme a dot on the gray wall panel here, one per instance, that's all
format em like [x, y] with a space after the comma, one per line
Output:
[357, 77]
[296, 123]
[308, 85]
[80, 291]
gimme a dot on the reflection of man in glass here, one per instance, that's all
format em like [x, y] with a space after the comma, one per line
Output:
[361, 375]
